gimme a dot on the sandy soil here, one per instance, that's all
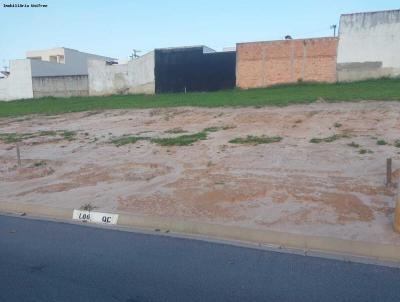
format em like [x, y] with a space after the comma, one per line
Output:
[292, 185]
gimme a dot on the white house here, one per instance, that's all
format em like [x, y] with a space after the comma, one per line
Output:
[51, 72]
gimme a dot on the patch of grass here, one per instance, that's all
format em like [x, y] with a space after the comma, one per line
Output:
[39, 164]
[212, 129]
[381, 142]
[329, 139]
[127, 139]
[283, 95]
[397, 143]
[10, 138]
[47, 133]
[68, 135]
[365, 151]
[337, 125]
[88, 207]
[215, 128]
[182, 140]
[255, 140]
[227, 127]
[354, 145]
[176, 131]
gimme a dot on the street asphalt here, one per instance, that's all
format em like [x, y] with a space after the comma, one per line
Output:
[55, 261]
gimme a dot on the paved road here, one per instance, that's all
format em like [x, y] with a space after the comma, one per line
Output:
[50, 261]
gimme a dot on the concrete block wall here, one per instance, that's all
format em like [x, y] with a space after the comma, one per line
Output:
[137, 76]
[261, 64]
[369, 45]
[60, 86]
[19, 84]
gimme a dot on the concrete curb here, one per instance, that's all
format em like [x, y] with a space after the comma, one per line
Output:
[307, 243]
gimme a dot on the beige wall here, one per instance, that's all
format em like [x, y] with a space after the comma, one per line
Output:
[137, 76]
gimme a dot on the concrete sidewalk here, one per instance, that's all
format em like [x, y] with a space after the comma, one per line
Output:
[358, 251]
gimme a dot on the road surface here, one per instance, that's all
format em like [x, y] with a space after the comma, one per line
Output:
[53, 261]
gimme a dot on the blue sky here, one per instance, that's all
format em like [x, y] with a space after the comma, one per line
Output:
[115, 27]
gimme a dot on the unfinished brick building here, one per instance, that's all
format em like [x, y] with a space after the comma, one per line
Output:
[261, 64]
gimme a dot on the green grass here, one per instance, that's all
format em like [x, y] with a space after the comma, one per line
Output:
[256, 140]
[212, 129]
[10, 138]
[383, 89]
[328, 139]
[68, 135]
[381, 142]
[182, 140]
[14, 137]
[215, 129]
[397, 143]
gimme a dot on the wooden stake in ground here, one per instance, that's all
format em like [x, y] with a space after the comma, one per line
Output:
[18, 155]
[396, 223]
[388, 172]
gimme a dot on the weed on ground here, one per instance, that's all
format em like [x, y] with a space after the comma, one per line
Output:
[255, 140]
[127, 139]
[175, 131]
[182, 140]
[329, 139]
[14, 137]
[353, 145]
[365, 151]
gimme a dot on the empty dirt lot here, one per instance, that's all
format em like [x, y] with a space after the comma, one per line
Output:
[313, 169]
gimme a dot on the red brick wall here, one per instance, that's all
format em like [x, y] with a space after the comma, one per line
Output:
[261, 64]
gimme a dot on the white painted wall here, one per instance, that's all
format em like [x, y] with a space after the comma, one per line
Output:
[369, 45]
[18, 85]
[75, 62]
[137, 76]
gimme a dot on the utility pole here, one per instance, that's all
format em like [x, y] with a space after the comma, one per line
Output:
[334, 29]
[134, 54]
